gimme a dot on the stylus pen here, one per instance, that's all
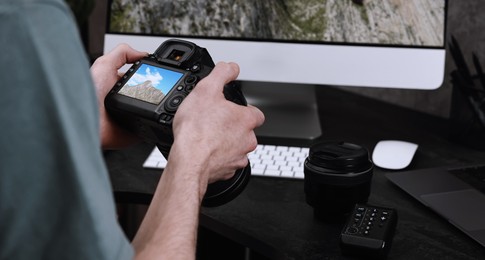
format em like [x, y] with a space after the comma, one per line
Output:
[460, 62]
[478, 67]
[466, 89]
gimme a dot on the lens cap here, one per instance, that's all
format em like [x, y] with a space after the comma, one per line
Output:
[338, 163]
[339, 156]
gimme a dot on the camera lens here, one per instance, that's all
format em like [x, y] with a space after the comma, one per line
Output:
[337, 176]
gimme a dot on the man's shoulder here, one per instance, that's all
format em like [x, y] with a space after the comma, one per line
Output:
[23, 2]
[23, 7]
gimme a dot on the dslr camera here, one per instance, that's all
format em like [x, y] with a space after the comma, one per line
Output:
[147, 96]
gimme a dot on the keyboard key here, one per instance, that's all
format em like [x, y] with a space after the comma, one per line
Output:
[257, 171]
[280, 162]
[287, 174]
[150, 164]
[299, 175]
[272, 167]
[286, 168]
[270, 172]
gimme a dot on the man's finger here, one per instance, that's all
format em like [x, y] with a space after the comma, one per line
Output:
[124, 54]
[222, 74]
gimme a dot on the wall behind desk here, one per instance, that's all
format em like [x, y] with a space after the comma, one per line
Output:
[465, 21]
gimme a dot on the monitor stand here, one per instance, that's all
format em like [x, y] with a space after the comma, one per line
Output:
[291, 110]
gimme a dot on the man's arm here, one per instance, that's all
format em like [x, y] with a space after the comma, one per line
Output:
[212, 137]
[105, 74]
[206, 148]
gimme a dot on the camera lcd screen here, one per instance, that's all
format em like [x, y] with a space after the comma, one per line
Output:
[150, 83]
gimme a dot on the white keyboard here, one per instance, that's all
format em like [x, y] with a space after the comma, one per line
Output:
[267, 160]
[155, 160]
[278, 161]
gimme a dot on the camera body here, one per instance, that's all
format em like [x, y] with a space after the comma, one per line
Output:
[147, 96]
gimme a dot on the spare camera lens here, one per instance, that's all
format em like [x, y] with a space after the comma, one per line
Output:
[337, 176]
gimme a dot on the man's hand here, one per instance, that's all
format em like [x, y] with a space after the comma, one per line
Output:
[218, 132]
[105, 75]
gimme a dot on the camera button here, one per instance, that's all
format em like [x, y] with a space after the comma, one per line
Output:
[165, 118]
[195, 68]
[173, 103]
[176, 101]
[189, 88]
[191, 79]
[352, 230]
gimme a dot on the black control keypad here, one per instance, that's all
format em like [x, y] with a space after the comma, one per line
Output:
[369, 221]
[369, 231]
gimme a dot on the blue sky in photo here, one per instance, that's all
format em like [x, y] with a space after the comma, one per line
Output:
[161, 78]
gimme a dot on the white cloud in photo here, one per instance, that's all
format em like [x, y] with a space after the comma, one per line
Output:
[153, 76]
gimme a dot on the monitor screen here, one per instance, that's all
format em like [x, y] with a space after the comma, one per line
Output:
[284, 46]
[389, 43]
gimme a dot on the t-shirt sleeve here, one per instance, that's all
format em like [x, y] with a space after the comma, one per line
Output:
[56, 200]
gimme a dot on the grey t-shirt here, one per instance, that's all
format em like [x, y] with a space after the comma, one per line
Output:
[56, 201]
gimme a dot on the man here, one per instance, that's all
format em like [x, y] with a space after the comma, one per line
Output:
[55, 197]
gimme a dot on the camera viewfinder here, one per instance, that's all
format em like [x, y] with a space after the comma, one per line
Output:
[176, 55]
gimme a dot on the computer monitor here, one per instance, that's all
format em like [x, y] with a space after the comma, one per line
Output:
[286, 48]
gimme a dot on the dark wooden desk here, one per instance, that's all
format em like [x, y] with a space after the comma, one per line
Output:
[271, 216]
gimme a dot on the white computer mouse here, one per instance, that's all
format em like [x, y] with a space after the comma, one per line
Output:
[393, 154]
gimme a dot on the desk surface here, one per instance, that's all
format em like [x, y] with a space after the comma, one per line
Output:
[272, 217]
